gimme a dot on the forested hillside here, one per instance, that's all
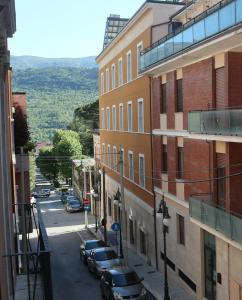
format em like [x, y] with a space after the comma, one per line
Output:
[53, 94]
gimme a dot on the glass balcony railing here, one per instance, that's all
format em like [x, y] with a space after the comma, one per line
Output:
[225, 222]
[216, 19]
[222, 122]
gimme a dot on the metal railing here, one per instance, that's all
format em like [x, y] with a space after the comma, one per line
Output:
[222, 122]
[32, 261]
[216, 19]
[225, 222]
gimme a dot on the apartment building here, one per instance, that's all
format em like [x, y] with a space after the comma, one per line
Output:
[196, 75]
[7, 194]
[125, 123]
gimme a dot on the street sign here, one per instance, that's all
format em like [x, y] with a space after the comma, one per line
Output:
[115, 227]
[86, 202]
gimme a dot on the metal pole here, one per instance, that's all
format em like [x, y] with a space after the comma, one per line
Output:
[104, 209]
[123, 225]
[85, 194]
[121, 254]
[23, 224]
[166, 288]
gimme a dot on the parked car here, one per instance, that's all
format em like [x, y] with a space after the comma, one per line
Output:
[122, 283]
[41, 193]
[88, 246]
[101, 259]
[47, 192]
[74, 205]
[64, 195]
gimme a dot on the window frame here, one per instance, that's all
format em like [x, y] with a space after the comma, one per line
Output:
[179, 95]
[142, 156]
[109, 162]
[115, 158]
[102, 118]
[102, 83]
[164, 158]
[140, 44]
[181, 236]
[113, 68]
[163, 99]
[131, 153]
[141, 100]
[129, 70]
[130, 115]
[121, 120]
[103, 153]
[180, 162]
[114, 118]
[108, 118]
[107, 80]
[120, 72]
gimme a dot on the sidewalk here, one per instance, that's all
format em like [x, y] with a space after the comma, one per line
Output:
[153, 279]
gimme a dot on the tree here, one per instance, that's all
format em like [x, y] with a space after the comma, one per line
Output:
[66, 147]
[48, 163]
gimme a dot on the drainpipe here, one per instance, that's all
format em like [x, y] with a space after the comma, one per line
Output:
[153, 189]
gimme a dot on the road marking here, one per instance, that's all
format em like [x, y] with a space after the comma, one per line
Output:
[78, 233]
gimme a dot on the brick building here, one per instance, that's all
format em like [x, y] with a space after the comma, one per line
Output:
[125, 123]
[196, 73]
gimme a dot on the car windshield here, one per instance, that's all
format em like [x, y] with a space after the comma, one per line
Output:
[70, 198]
[105, 255]
[125, 279]
[94, 245]
[74, 202]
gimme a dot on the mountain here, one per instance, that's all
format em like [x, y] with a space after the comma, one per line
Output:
[24, 62]
[53, 93]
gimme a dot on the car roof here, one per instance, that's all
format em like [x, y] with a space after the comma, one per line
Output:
[103, 249]
[91, 241]
[121, 270]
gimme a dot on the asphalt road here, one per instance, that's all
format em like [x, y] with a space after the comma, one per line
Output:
[71, 279]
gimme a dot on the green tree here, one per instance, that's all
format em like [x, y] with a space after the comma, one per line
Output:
[48, 163]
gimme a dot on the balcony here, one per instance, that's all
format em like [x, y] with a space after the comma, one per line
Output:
[222, 16]
[227, 122]
[216, 217]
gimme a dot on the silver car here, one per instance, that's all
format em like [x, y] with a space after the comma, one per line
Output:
[102, 259]
[122, 283]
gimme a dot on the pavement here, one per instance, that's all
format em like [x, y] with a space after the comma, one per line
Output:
[153, 279]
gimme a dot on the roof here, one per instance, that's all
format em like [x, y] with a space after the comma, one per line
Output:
[121, 270]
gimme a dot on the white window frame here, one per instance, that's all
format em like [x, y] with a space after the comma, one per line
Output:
[121, 120]
[140, 183]
[102, 118]
[103, 153]
[108, 118]
[122, 151]
[102, 83]
[129, 71]
[107, 80]
[109, 156]
[113, 76]
[141, 126]
[120, 72]
[114, 118]
[140, 44]
[115, 158]
[131, 175]
[130, 114]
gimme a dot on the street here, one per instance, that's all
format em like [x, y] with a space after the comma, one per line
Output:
[71, 279]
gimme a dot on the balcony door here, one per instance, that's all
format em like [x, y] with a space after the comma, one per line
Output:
[210, 266]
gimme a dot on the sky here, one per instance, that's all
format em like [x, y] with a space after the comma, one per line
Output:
[65, 28]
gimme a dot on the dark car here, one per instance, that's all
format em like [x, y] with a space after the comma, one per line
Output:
[74, 205]
[64, 195]
[122, 283]
[88, 246]
[101, 259]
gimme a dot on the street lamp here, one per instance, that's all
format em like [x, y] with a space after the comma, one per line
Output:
[117, 197]
[163, 209]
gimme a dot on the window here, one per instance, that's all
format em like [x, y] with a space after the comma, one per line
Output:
[142, 242]
[107, 80]
[103, 118]
[221, 185]
[180, 229]
[122, 160]
[103, 153]
[115, 160]
[131, 232]
[139, 49]
[164, 159]
[120, 71]
[113, 76]
[179, 96]
[121, 117]
[108, 118]
[131, 165]
[141, 170]
[140, 115]
[130, 117]
[109, 206]
[129, 67]
[180, 162]
[102, 84]
[113, 117]
[163, 99]
[109, 156]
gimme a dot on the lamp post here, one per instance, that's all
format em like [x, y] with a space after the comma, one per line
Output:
[95, 195]
[117, 198]
[163, 209]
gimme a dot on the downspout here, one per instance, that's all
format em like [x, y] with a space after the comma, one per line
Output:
[152, 172]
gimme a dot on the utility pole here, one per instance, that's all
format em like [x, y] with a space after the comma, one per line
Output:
[23, 216]
[104, 209]
[124, 225]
